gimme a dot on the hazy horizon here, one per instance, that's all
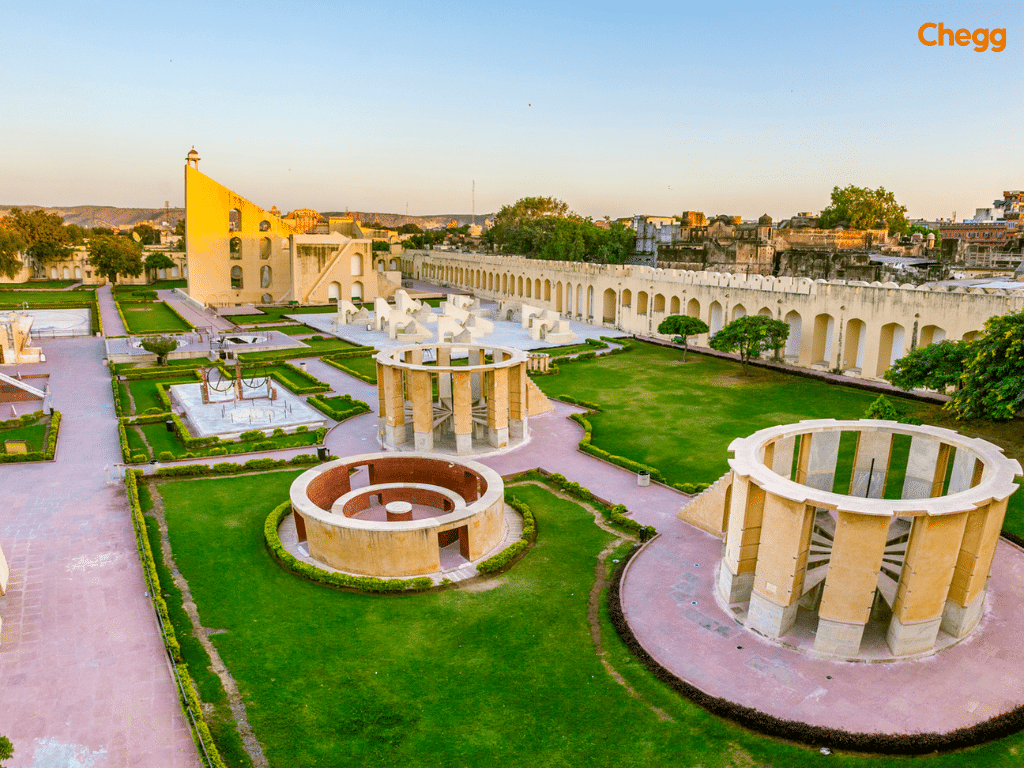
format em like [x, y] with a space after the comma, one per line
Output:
[654, 109]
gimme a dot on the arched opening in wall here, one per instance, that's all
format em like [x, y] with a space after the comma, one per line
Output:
[890, 346]
[795, 323]
[236, 277]
[853, 345]
[264, 247]
[334, 291]
[529, 288]
[175, 271]
[519, 287]
[184, 271]
[673, 307]
[266, 298]
[490, 282]
[739, 311]
[627, 298]
[356, 264]
[66, 273]
[568, 300]
[558, 296]
[264, 226]
[393, 264]
[380, 266]
[693, 308]
[641, 302]
[235, 247]
[536, 289]
[53, 273]
[590, 302]
[161, 274]
[608, 315]
[579, 300]
[659, 303]
[764, 312]
[357, 291]
[715, 318]
[821, 349]
[971, 335]
[931, 334]
[234, 220]
[547, 290]
[504, 283]
[78, 273]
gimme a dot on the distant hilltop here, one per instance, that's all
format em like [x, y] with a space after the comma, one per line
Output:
[109, 216]
[105, 215]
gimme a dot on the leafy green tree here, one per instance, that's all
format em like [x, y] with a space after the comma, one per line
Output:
[101, 231]
[862, 208]
[77, 234]
[45, 234]
[159, 260]
[936, 366]
[992, 384]
[11, 244]
[179, 228]
[381, 245]
[409, 229]
[6, 748]
[161, 346]
[147, 234]
[882, 408]
[750, 336]
[925, 231]
[113, 255]
[682, 326]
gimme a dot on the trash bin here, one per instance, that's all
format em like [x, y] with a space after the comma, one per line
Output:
[321, 453]
[170, 425]
[643, 478]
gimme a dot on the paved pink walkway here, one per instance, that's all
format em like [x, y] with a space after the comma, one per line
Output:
[202, 320]
[84, 680]
[668, 600]
[112, 325]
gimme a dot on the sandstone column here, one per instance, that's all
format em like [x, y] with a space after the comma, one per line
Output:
[965, 603]
[422, 396]
[736, 576]
[463, 411]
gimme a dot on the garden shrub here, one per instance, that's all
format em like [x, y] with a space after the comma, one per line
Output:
[166, 456]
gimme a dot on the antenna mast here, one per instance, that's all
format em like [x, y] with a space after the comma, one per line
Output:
[474, 202]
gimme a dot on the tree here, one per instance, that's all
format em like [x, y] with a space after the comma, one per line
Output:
[409, 229]
[159, 260]
[883, 409]
[6, 748]
[381, 245]
[682, 326]
[992, 384]
[113, 255]
[11, 244]
[936, 366]
[45, 234]
[147, 234]
[161, 346]
[862, 208]
[750, 336]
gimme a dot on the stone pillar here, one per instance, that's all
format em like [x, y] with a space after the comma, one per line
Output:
[778, 457]
[932, 553]
[444, 380]
[850, 584]
[965, 603]
[382, 407]
[781, 565]
[922, 467]
[497, 407]
[462, 418]
[422, 396]
[394, 427]
[742, 539]
[871, 464]
[816, 465]
[517, 405]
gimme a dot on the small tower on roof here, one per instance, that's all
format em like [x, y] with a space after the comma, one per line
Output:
[193, 158]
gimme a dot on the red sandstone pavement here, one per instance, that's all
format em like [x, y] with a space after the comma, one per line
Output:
[84, 680]
[668, 600]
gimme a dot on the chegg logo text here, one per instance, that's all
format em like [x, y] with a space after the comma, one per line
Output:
[936, 34]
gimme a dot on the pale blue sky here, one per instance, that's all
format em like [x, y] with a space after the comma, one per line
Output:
[617, 109]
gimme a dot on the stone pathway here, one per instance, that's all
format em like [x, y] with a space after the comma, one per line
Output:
[112, 325]
[84, 680]
[201, 320]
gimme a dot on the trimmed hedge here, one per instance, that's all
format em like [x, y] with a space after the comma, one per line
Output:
[48, 452]
[622, 461]
[231, 468]
[164, 371]
[511, 554]
[338, 580]
[616, 513]
[998, 727]
[191, 704]
[21, 421]
[357, 407]
[332, 360]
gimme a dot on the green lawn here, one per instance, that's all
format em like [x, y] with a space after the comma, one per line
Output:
[34, 433]
[152, 317]
[315, 348]
[505, 675]
[47, 299]
[36, 285]
[364, 365]
[277, 314]
[681, 418]
[144, 390]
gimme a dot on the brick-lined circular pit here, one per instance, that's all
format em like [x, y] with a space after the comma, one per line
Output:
[468, 499]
